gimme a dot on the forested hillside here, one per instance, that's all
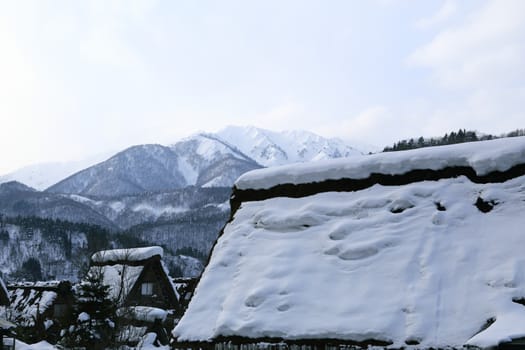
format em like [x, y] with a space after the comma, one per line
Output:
[462, 135]
[33, 248]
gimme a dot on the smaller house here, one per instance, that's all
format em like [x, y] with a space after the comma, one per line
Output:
[141, 287]
[41, 309]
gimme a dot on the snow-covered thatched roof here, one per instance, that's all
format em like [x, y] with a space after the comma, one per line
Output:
[28, 302]
[483, 157]
[430, 263]
[39, 284]
[119, 277]
[126, 255]
[121, 269]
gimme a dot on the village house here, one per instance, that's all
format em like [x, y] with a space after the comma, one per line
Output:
[142, 289]
[41, 309]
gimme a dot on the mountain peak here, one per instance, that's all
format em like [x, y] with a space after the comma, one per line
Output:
[271, 148]
[15, 186]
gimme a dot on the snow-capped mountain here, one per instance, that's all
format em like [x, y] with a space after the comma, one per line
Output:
[204, 159]
[270, 148]
[145, 168]
[157, 193]
[201, 160]
[207, 161]
[41, 176]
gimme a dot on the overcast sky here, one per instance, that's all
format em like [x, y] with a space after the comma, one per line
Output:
[82, 77]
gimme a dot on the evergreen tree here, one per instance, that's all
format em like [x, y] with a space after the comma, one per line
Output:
[4, 235]
[31, 270]
[95, 327]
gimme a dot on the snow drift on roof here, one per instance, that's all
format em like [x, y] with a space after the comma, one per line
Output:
[143, 313]
[27, 305]
[38, 284]
[484, 157]
[418, 263]
[120, 279]
[131, 254]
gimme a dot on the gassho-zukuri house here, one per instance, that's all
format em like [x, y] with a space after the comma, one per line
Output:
[416, 249]
[142, 288]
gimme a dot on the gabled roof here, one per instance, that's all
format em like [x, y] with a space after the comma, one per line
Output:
[121, 268]
[419, 263]
[29, 300]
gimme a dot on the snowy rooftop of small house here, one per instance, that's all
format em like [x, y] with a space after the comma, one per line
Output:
[28, 304]
[39, 284]
[428, 262]
[484, 157]
[131, 254]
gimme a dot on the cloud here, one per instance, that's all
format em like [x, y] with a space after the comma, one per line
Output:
[287, 115]
[375, 125]
[476, 69]
[445, 12]
[106, 38]
[488, 48]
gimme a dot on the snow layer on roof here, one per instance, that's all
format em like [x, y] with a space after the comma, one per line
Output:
[484, 157]
[143, 313]
[38, 284]
[170, 281]
[414, 262]
[120, 278]
[131, 254]
[43, 345]
[28, 304]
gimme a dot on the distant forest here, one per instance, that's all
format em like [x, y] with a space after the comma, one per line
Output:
[462, 135]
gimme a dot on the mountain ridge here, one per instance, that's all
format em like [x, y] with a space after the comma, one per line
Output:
[203, 159]
[279, 148]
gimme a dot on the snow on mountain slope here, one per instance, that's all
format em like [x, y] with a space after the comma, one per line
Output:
[271, 148]
[41, 176]
[138, 169]
[16, 199]
[201, 160]
[429, 263]
[208, 161]
[127, 211]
